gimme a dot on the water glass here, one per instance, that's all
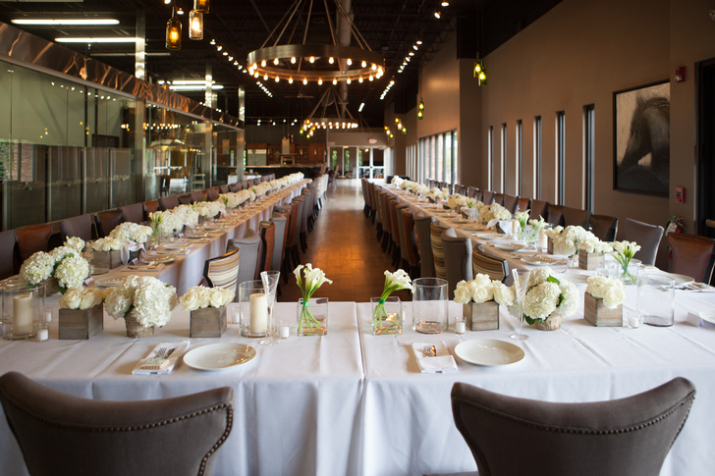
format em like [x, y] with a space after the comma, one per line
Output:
[430, 306]
[656, 299]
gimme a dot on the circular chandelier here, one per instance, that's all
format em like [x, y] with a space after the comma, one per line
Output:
[320, 117]
[307, 62]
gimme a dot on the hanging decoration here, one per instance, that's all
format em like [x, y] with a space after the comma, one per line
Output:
[420, 110]
[196, 25]
[479, 72]
[202, 6]
[306, 62]
[173, 32]
[324, 120]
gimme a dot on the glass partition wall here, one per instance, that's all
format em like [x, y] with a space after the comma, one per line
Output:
[67, 149]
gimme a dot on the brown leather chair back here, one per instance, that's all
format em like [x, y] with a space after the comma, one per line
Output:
[133, 213]
[150, 207]
[167, 203]
[576, 217]
[212, 194]
[604, 227]
[268, 237]
[499, 198]
[31, 239]
[184, 199]
[77, 226]
[394, 203]
[223, 188]
[199, 195]
[64, 434]
[235, 187]
[692, 256]
[556, 215]
[487, 197]
[472, 192]
[293, 223]
[647, 236]
[539, 208]
[408, 222]
[511, 202]
[107, 221]
[523, 204]
[8, 254]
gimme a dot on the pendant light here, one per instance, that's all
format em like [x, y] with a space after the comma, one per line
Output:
[201, 6]
[479, 72]
[173, 32]
[196, 25]
[420, 111]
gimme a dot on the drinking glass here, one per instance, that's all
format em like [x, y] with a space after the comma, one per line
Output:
[270, 284]
[521, 284]
[430, 306]
[656, 298]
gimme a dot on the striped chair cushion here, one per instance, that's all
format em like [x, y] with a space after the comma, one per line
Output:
[437, 251]
[222, 272]
[482, 263]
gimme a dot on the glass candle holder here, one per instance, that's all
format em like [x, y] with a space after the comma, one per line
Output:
[430, 306]
[656, 299]
[22, 310]
[253, 308]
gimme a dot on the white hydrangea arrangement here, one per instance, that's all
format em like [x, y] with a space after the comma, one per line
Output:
[546, 295]
[166, 222]
[456, 200]
[71, 272]
[482, 289]
[38, 267]
[75, 242]
[437, 195]
[83, 298]
[107, 244]
[590, 243]
[63, 263]
[186, 215]
[569, 240]
[201, 297]
[62, 252]
[131, 232]
[493, 212]
[145, 298]
[209, 209]
[611, 290]
[396, 181]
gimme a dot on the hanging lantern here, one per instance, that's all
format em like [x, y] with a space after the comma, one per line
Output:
[201, 6]
[420, 111]
[173, 32]
[196, 25]
[479, 72]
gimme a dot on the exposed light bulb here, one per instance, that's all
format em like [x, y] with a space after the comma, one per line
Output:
[437, 15]
[277, 79]
[312, 59]
[349, 81]
[374, 66]
[292, 60]
[363, 64]
[290, 80]
[305, 80]
[275, 61]
[320, 82]
[361, 79]
[335, 81]
[263, 63]
[331, 60]
[350, 62]
[265, 77]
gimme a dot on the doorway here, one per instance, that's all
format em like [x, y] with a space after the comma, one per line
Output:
[705, 128]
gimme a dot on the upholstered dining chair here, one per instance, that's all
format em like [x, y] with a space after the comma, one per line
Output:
[386, 226]
[556, 215]
[692, 256]
[248, 249]
[523, 204]
[302, 228]
[401, 230]
[511, 202]
[235, 187]
[107, 221]
[212, 194]
[496, 268]
[499, 198]
[436, 230]
[628, 436]
[539, 208]
[8, 254]
[168, 203]
[31, 239]
[472, 192]
[410, 242]
[64, 434]
[222, 271]
[460, 189]
[309, 194]
[604, 227]
[424, 244]
[378, 214]
[647, 236]
[150, 207]
[268, 241]
[185, 199]
[281, 219]
[223, 188]
[292, 239]
[576, 217]
[77, 226]
[487, 197]
[199, 195]
[457, 258]
[133, 213]
[396, 253]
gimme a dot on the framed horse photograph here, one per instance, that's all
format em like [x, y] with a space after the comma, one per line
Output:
[641, 139]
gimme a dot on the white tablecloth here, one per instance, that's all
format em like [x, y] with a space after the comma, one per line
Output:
[188, 270]
[297, 404]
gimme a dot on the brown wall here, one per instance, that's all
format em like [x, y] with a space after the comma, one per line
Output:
[439, 89]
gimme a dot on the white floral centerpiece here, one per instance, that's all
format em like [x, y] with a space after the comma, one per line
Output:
[493, 212]
[201, 297]
[165, 223]
[209, 209]
[309, 280]
[143, 302]
[107, 244]
[37, 268]
[83, 298]
[481, 298]
[186, 215]
[624, 251]
[80, 314]
[547, 300]
[566, 239]
[437, 195]
[63, 264]
[603, 301]
[396, 181]
[456, 201]
[75, 242]
[386, 310]
[472, 208]
[131, 232]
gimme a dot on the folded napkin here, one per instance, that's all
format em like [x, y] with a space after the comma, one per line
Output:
[128, 249]
[150, 365]
[443, 363]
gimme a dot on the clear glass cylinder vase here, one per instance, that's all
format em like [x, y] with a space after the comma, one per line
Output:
[313, 317]
[386, 316]
[253, 309]
[430, 306]
[22, 310]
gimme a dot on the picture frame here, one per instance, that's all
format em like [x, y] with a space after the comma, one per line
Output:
[641, 139]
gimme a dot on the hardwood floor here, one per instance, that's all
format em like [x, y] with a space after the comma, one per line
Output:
[343, 244]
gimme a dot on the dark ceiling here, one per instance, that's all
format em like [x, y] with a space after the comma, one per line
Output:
[389, 26]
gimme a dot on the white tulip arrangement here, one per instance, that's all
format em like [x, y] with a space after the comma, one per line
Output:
[624, 251]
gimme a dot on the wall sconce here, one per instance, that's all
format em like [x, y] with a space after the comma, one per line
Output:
[173, 32]
[420, 111]
[201, 6]
[196, 25]
[479, 72]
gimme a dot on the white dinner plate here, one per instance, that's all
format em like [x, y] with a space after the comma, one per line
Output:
[573, 278]
[540, 260]
[475, 228]
[490, 236]
[460, 221]
[198, 237]
[109, 282]
[509, 246]
[219, 356]
[680, 279]
[177, 246]
[489, 352]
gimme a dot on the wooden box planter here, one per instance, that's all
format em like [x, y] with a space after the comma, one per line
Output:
[483, 316]
[107, 259]
[550, 246]
[595, 312]
[77, 324]
[208, 322]
[590, 261]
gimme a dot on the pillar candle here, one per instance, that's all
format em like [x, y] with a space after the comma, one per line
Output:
[285, 332]
[460, 327]
[22, 314]
[259, 313]
[543, 239]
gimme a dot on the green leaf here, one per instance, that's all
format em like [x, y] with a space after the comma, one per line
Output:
[551, 279]
[529, 320]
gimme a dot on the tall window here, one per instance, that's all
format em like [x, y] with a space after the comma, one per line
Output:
[589, 115]
[439, 157]
[537, 158]
[560, 157]
[519, 163]
[503, 159]
[448, 158]
[490, 158]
